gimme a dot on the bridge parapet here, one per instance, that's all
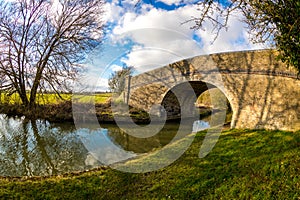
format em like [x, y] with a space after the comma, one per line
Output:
[262, 62]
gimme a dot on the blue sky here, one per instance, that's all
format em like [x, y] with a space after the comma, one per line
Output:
[153, 34]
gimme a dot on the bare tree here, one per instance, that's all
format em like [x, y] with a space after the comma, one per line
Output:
[42, 43]
[117, 79]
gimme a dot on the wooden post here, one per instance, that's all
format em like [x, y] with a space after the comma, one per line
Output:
[128, 89]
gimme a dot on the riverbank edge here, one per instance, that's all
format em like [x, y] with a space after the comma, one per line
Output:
[62, 112]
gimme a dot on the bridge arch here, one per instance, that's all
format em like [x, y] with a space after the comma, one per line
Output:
[263, 92]
[189, 97]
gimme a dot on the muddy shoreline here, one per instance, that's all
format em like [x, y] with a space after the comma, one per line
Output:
[61, 113]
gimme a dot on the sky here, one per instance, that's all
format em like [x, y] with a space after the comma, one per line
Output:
[152, 34]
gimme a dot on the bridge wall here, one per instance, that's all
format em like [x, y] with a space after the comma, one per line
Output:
[263, 92]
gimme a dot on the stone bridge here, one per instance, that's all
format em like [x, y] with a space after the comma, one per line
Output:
[263, 92]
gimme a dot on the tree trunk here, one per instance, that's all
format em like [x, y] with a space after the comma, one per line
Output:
[33, 93]
[23, 98]
[35, 85]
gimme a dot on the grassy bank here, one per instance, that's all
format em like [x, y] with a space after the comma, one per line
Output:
[51, 98]
[54, 109]
[245, 164]
[50, 106]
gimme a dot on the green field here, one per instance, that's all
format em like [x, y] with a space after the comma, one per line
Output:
[55, 99]
[245, 164]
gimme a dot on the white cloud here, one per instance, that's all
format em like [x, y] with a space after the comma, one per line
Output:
[91, 82]
[171, 2]
[235, 38]
[162, 38]
[177, 2]
[116, 68]
[56, 7]
[158, 37]
[113, 12]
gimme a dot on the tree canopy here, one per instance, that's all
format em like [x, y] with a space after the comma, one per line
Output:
[273, 21]
[42, 43]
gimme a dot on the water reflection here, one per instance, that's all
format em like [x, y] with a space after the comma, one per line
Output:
[102, 148]
[30, 148]
[142, 145]
[200, 125]
[36, 147]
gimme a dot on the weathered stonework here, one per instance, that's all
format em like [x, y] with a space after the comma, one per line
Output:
[263, 92]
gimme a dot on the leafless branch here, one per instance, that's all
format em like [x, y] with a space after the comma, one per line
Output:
[41, 44]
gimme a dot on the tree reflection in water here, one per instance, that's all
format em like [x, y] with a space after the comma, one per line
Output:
[34, 147]
[142, 145]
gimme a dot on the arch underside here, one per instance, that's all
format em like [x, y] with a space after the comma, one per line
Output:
[182, 98]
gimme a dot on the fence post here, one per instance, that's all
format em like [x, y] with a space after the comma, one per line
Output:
[127, 90]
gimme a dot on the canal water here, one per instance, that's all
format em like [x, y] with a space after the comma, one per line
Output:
[40, 148]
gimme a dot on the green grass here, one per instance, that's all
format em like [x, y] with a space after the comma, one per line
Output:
[54, 98]
[245, 164]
